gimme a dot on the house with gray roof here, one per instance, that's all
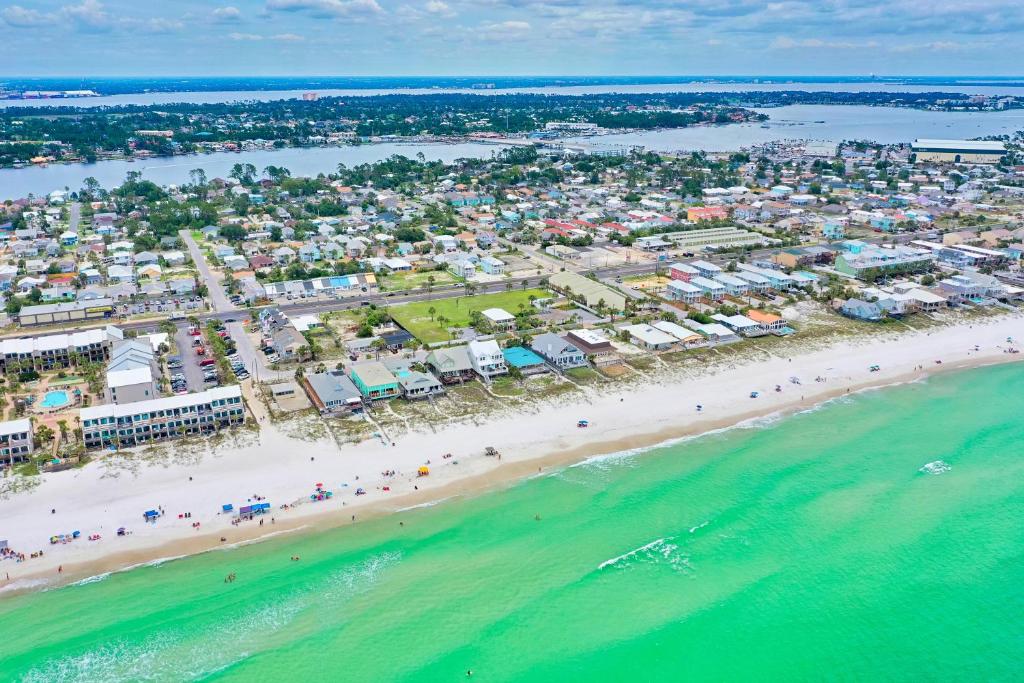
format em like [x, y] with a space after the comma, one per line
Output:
[558, 351]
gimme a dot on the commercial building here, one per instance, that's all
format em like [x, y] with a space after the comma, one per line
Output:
[66, 312]
[959, 151]
[162, 418]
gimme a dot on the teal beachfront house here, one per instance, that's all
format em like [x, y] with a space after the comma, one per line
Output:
[374, 380]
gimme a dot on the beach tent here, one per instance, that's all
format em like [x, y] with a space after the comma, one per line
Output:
[150, 514]
[227, 508]
[424, 471]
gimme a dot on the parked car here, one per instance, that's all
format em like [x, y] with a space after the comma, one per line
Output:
[207, 362]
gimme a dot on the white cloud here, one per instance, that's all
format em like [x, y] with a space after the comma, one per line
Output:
[327, 8]
[505, 30]
[439, 8]
[227, 14]
[787, 43]
[21, 17]
[256, 37]
[89, 16]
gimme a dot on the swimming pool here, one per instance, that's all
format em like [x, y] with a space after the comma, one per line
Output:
[55, 399]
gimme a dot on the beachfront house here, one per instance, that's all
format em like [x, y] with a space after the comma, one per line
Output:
[559, 351]
[594, 345]
[649, 338]
[374, 380]
[487, 359]
[414, 383]
[332, 392]
[524, 360]
[451, 365]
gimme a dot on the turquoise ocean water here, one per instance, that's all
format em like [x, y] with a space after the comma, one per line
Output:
[811, 548]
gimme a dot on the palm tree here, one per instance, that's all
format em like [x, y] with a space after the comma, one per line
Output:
[432, 311]
[430, 284]
[508, 286]
[378, 345]
[63, 426]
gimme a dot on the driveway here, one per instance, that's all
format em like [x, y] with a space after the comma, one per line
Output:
[218, 298]
[74, 216]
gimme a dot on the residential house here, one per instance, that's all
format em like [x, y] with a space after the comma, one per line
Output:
[499, 319]
[492, 266]
[452, 365]
[487, 359]
[649, 338]
[414, 383]
[332, 392]
[374, 381]
[287, 341]
[559, 351]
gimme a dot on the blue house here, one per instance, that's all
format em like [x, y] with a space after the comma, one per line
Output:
[833, 231]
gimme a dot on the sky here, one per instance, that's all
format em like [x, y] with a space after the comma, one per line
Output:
[510, 37]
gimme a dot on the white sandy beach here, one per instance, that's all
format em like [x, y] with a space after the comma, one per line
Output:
[97, 499]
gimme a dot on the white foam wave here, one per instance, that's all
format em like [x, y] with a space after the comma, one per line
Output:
[623, 457]
[660, 550]
[936, 467]
[92, 579]
[700, 526]
[23, 584]
[428, 504]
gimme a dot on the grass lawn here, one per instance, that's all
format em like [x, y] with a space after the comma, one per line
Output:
[416, 318]
[414, 280]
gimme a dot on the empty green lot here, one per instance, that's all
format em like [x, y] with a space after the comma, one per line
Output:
[416, 317]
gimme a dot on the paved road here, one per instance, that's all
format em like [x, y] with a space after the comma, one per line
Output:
[216, 295]
[74, 216]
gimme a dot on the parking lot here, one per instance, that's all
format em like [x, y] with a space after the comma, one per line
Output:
[184, 304]
[189, 369]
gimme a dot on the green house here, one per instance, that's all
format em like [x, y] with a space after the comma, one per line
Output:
[374, 380]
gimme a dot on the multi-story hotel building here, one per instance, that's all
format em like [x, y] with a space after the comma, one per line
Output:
[159, 419]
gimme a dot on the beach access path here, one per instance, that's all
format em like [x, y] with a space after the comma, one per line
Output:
[283, 463]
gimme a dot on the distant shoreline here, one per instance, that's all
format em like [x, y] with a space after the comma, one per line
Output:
[277, 466]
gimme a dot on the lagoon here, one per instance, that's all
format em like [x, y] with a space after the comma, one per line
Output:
[819, 122]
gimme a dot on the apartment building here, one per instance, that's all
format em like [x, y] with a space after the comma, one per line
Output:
[15, 441]
[59, 350]
[162, 418]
